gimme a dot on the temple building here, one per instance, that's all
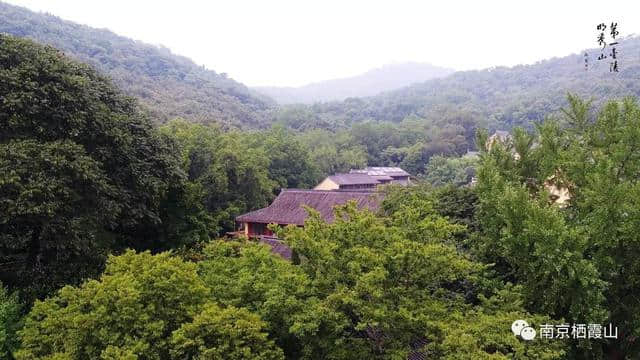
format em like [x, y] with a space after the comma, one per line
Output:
[367, 178]
[288, 208]
[393, 175]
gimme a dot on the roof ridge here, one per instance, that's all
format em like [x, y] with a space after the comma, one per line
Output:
[288, 207]
[325, 191]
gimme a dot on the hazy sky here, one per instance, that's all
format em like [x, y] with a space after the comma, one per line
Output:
[290, 43]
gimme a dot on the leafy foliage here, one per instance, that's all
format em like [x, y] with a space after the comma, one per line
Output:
[233, 172]
[574, 260]
[55, 200]
[391, 281]
[227, 175]
[82, 170]
[143, 307]
[10, 322]
[223, 334]
[372, 287]
[450, 171]
[290, 162]
[409, 144]
[249, 276]
[334, 153]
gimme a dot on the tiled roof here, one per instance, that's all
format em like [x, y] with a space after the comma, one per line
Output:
[288, 208]
[353, 179]
[382, 177]
[381, 170]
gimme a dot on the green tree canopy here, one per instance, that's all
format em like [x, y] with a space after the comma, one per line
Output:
[577, 259]
[142, 307]
[133, 308]
[55, 200]
[223, 334]
[248, 275]
[374, 287]
[290, 162]
[82, 169]
[227, 175]
[450, 171]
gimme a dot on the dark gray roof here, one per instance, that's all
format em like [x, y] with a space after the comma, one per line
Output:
[353, 179]
[382, 177]
[288, 207]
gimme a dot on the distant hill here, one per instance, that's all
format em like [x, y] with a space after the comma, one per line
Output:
[497, 98]
[373, 82]
[168, 84]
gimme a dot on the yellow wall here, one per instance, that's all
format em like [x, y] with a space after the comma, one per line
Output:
[326, 184]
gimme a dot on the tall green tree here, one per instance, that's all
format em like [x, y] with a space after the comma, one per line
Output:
[56, 201]
[290, 163]
[82, 170]
[334, 152]
[227, 176]
[576, 259]
[132, 309]
[450, 171]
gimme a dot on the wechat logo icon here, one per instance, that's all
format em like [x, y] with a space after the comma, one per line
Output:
[521, 328]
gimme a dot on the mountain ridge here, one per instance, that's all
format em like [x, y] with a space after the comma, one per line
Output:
[372, 82]
[497, 97]
[167, 84]
[171, 86]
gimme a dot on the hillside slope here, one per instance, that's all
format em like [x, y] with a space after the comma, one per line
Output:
[168, 84]
[499, 97]
[373, 82]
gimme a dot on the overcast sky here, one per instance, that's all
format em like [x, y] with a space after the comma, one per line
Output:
[290, 43]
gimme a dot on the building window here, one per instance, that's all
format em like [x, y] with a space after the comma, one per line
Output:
[258, 228]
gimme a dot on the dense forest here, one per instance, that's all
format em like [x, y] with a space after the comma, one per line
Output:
[373, 82]
[117, 194]
[169, 85]
[496, 98]
[110, 234]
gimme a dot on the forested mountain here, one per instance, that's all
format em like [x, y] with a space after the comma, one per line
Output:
[373, 82]
[168, 84]
[498, 97]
